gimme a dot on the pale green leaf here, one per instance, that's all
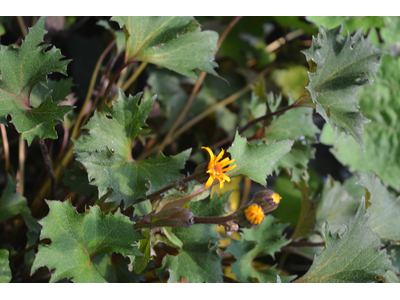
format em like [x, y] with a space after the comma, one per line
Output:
[256, 162]
[105, 151]
[21, 69]
[349, 23]
[295, 124]
[77, 238]
[336, 205]
[5, 271]
[380, 103]
[342, 67]
[176, 43]
[266, 239]
[384, 208]
[350, 256]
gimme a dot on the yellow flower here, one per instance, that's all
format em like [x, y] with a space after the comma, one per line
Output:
[276, 198]
[254, 214]
[215, 168]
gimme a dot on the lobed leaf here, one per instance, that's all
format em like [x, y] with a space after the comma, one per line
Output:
[21, 69]
[256, 162]
[380, 103]
[77, 239]
[353, 255]
[342, 67]
[176, 43]
[105, 151]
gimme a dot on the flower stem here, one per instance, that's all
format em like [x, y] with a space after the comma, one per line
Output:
[6, 150]
[215, 220]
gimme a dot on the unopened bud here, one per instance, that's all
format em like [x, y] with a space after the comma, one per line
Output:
[179, 185]
[267, 199]
[250, 216]
[173, 217]
[201, 174]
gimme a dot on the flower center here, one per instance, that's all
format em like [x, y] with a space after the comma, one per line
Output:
[276, 198]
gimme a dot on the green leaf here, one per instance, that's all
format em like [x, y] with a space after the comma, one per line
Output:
[292, 79]
[190, 262]
[77, 179]
[12, 204]
[380, 103]
[342, 67]
[5, 271]
[384, 208]
[78, 238]
[106, 153]
[336, 205]
[266, 239]
[256, 162]
[140, 262]
[349, 23]
[21, 69]
[214, 207]
[60, 90]
[350, 256]
[195, 251]
[176, 43]
[295, 124]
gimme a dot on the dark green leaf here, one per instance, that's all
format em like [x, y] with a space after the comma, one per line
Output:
[12, 204]
[140, 262]
[266, 239]
[350, 256]
[21, 69]
[256, 162]
[114, 269]
[77, 238]
[175, 43]
[77, 179]
[380, 103]
[342, 67]
[106, 153]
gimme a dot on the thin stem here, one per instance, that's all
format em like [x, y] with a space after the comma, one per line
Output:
[49, 167]
[6, 150]
[21, 171]
[195, 89]
[77, 125]
[116, 74]
[102, 86]
[22, 25]
[267, 116]
[158, 193]
[24, 251]
[131, 79]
